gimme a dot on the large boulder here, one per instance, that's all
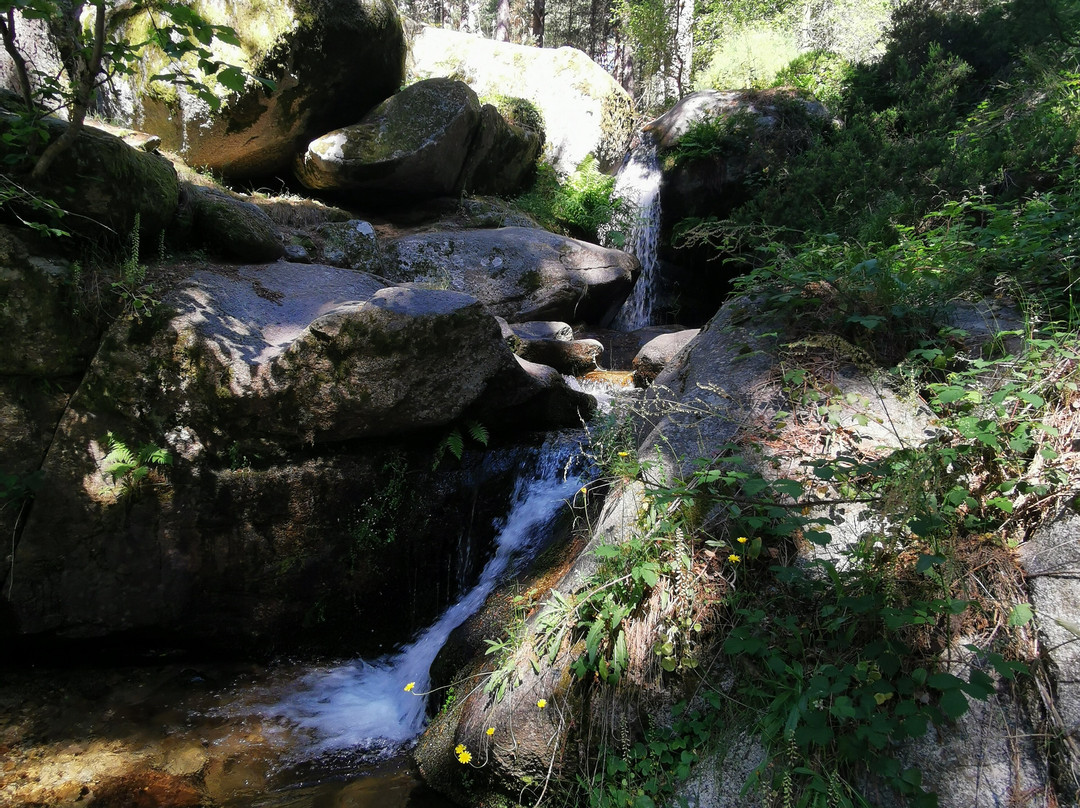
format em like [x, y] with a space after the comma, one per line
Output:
[585, 110]
[103, 185]
[431, 139]
[245, 376]
[519, 273]
[330, 61]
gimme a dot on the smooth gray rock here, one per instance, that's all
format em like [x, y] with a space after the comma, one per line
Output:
[518, 273]
[656, 353]
[585, 110]
[539, 329]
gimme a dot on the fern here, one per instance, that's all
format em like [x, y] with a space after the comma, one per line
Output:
[454, 441]
[130, 469]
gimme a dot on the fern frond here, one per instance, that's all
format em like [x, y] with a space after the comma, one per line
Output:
[478, 432]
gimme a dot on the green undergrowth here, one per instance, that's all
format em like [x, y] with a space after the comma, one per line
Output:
[583, 205]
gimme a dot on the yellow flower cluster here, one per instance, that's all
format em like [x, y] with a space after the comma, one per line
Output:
[463, 754]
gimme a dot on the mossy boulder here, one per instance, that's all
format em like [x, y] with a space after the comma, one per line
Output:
[431, 139]
[330, 61]
[102, 184]
[584, 109]
[231, 227]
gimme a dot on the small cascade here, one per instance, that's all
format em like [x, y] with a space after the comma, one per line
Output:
[639, 184]
[363, 705]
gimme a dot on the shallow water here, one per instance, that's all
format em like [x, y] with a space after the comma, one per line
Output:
[301, 735]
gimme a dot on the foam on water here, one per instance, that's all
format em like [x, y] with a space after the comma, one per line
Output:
[638, 183]
[363, 704]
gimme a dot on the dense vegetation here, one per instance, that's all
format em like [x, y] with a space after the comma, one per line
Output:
[951, 175]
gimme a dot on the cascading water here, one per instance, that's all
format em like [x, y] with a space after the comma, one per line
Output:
[638, 183]
[363, 705]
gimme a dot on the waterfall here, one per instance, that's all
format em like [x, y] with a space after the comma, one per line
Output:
[638, 183]
[363, 704]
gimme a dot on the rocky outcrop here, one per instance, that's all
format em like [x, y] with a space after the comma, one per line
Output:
[330, 61]
[518, 273]
[265, 365]
[585, 111]
[717, 393]
[431, 139]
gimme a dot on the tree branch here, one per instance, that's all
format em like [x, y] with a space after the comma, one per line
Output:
[7, 30]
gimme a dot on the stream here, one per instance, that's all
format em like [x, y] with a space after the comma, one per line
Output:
[289, 735]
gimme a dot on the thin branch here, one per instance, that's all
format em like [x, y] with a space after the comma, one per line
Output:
[7, 30]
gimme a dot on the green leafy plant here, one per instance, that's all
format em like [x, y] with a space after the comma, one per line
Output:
[134, 470]
[583, 205]
[454, 440]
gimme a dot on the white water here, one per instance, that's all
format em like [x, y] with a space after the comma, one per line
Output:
[638, 183]
[363, 704]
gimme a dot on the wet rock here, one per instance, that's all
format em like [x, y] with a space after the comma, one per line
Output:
[572, 357]
[520, 274]
[536, 330]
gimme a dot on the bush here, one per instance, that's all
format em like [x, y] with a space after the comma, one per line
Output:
[584, 205]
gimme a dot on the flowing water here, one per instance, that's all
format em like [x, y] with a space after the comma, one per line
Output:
[638, 183]
[363, 705]
[290, 736]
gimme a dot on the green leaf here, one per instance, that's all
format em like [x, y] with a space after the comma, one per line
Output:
[927, 562]
[954, 703]
[1021, 614]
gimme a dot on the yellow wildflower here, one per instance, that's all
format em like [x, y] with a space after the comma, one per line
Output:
[624, 454]
[742, 540]
[734, 559]
[491, 730]
[584, 489]
[542, 703]
[409, 687]
[459, 749]
[464, 757]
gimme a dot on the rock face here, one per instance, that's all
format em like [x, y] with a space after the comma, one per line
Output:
[585, 110]
[330, 60]
[753, 132]
[656, 353]
[718, 391]
[519, 274]
[254, 365]
[431, 139]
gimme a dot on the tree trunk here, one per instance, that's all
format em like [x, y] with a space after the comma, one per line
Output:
[84, 76]
[502, 21]
[539, 13]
